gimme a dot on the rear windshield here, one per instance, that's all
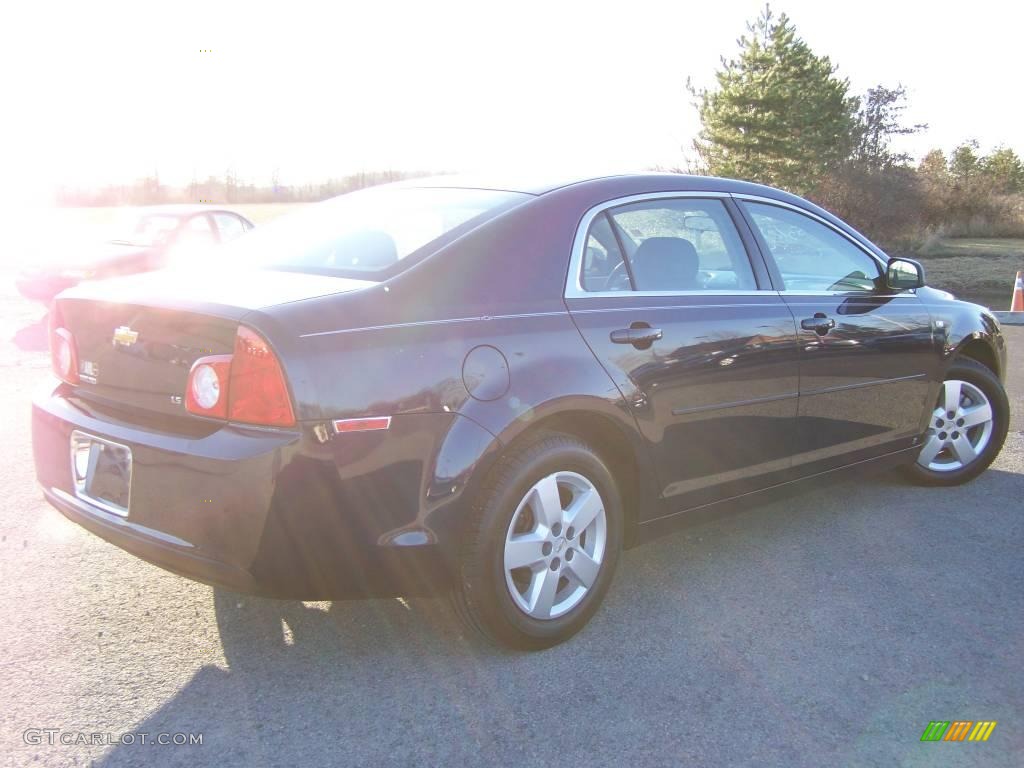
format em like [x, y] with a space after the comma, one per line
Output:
[370, 231]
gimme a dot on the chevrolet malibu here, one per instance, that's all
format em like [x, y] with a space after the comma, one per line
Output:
[491, 389]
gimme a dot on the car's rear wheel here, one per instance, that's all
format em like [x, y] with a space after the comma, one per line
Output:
[966, 427]
[542, 545]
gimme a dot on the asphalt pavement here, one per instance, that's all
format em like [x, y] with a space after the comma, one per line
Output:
[825, 630]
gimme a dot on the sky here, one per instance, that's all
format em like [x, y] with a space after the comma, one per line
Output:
[108, 92]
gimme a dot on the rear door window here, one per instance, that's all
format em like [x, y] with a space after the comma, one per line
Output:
[670, 245]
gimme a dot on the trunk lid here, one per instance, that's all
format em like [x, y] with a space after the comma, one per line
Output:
[137, 337]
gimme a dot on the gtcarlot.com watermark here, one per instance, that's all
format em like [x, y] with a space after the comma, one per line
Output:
[54, 736]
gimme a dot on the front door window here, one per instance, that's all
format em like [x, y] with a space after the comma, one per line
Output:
[811, 256]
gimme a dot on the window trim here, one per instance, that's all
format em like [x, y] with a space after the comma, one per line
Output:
[616, 230]
[742, 198]
[241, 223]
[574, 279]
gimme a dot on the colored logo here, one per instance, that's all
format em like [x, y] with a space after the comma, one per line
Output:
[958, 730]
[125, 336]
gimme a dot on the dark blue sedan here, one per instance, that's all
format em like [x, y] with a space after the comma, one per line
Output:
[491, 388]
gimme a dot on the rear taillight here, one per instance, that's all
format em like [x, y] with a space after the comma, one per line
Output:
[207, 392]
[259, 394]
[248, 386]
[63, 352]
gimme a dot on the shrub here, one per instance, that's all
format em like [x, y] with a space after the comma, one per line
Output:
[887, 205]
[904, 209]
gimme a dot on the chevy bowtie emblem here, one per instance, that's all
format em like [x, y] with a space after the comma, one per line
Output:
[125, 336]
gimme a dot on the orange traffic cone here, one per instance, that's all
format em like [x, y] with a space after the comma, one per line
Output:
[1017, 303]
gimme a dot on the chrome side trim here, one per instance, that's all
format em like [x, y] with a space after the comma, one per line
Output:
[656, 294]
[735, 404]
[851, 294]
[861, 385]
[676, 307]
[573, 285]
[433, 322]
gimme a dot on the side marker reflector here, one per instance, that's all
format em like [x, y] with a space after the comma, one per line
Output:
[362, 425]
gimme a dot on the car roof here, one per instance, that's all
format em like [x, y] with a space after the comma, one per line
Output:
[529, 184]
[540, 185]
[590, 190]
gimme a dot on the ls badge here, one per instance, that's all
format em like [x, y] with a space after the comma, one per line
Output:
[89, 372]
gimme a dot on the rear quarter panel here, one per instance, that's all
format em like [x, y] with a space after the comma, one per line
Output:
[400, 349]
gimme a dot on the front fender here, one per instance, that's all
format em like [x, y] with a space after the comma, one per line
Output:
[971, 327]
[957, 324]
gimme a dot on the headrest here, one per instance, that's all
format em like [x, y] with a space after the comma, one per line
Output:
[665, 264]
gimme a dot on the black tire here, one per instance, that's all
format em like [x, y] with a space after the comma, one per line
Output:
[482, 598]
[977, 374]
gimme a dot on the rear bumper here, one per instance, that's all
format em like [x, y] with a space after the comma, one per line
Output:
[266, 512]
[175, 555]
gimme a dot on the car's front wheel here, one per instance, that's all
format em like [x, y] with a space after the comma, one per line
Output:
[966, 428]
[542, 545]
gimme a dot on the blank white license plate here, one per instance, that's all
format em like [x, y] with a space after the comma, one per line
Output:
[102, 472]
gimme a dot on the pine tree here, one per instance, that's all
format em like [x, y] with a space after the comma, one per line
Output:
[779, 115]
[1004, 170]
[964, 162]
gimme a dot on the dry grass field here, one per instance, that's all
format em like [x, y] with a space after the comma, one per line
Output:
[975, 269]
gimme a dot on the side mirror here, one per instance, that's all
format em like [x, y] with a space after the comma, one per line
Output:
[903, 274]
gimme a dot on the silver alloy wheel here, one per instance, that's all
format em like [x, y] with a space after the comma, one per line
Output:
[960, 428]
[555, 545]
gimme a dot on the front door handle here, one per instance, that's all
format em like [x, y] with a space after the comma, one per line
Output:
[641, 337]
[820, 323]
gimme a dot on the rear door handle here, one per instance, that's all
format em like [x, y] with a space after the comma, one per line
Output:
[638, 337]
[820, 323]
